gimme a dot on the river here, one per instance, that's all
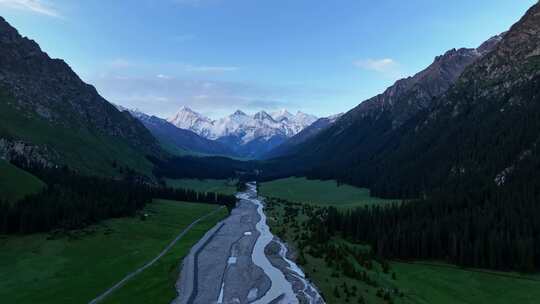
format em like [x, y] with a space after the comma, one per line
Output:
[241, 261]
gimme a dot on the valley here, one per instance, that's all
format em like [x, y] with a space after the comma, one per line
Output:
[172, 159]
[76, 266]
[240, 261]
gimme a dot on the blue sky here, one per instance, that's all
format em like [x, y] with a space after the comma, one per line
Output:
[321, 57]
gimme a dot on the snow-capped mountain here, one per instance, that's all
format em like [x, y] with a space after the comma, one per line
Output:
[248, 135]
[248, 127]
[177, 140]
[188, 119]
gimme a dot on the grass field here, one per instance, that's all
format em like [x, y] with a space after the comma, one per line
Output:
[205, 185]
[446, 284]
[76, 268]
[155, 284]
[318, 192]
[16, 183]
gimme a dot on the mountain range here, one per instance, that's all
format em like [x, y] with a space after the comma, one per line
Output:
[178, 141]
[246, 135]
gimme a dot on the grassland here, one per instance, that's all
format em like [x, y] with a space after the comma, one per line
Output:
[205, 185]
[75, 268]
[321, 193]
[16, 183]
[446, 284]
[420, 283]
[155, 284]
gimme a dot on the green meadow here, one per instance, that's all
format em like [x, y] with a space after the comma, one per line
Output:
[156, 284]
[76, 267]
[321, 193]
[447, 284]
[225, 186]
[16, 183]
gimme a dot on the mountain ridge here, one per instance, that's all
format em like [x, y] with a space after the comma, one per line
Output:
[176, 140]
[247, 135]
[374, 124]
[50, 111]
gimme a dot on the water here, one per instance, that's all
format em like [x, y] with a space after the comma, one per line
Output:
[280, 286]
[309, 291]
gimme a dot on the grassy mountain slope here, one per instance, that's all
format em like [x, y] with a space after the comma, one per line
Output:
[87, 151]
[16, 183]
[49, 115]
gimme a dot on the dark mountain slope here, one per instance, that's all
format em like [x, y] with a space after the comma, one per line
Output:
[290, 145]
[377, 124]
[474, 158]
[49, 115]
[482, 130]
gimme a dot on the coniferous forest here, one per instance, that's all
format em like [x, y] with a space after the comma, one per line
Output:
[493, 228]
[72, 201]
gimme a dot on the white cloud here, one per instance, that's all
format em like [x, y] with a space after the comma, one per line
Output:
[35, 6]
[211, 69]
[386, 66]
[154, 95]
[163, 76]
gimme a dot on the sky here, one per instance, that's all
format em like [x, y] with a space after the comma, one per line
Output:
[215, 56]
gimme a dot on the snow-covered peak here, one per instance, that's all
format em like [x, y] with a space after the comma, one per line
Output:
[281, 115]
[134, 112]
[333, 118]
[262, 115]
[239, 113]
[188, 119]
[243, 126]
[304, 119]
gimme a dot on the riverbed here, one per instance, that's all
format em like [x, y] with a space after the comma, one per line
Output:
[241, 261]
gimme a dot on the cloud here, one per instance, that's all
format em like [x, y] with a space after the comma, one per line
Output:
[211, 69]
[34, 6]
[386, 66]
[163, 96]
[163, 76]
[178, 67]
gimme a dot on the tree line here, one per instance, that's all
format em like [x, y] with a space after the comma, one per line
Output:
[72, 201]
[492, 228]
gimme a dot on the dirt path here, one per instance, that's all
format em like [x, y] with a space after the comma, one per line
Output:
[154, 260]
